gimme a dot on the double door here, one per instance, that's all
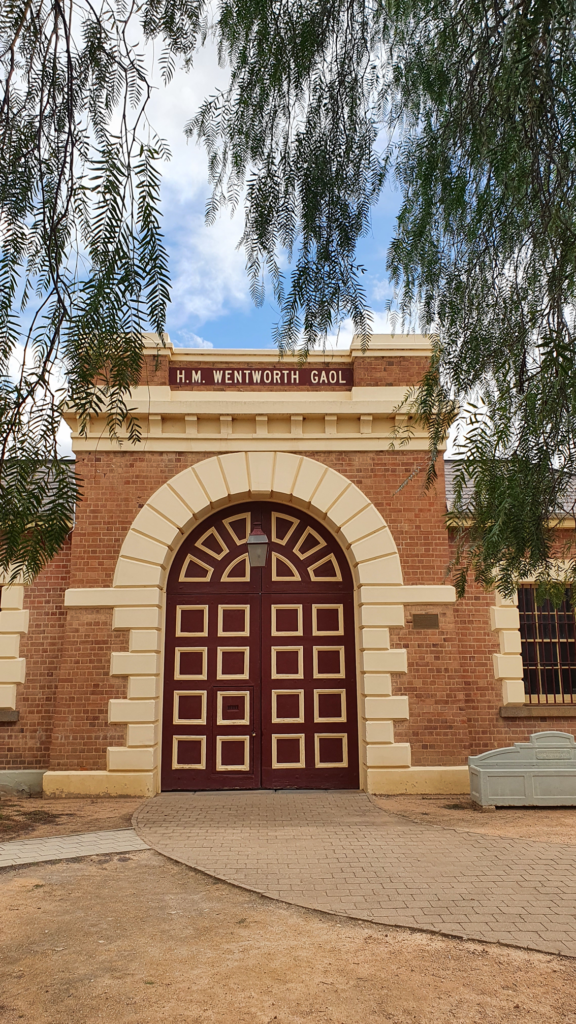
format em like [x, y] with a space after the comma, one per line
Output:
[260, 687]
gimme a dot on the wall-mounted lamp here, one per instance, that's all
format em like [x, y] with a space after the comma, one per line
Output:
[257, 547]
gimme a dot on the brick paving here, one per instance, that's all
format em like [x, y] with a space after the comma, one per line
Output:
[339, 853]
[33, 851]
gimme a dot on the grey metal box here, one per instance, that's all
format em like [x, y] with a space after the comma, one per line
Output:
[539, 773]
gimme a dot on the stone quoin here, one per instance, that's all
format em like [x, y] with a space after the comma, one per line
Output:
[152, 654]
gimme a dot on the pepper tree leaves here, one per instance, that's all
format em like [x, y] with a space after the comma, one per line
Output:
[83, 268]
[476, 107]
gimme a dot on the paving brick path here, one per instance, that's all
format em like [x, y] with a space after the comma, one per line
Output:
[340, 853]
[32, 851]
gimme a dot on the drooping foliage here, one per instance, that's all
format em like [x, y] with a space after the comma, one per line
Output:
[83, 269]
[472, 108]
[469, 106]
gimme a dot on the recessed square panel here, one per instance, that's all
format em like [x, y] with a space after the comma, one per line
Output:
[233, 753]
[328, 662]
[189, 707]
[287, 663]
[189, 752]
[192, 620]
[233, 707]
[329, 705]
[286, 620]
[233, 620]
[327, 619]
[288, 751]
[331, 750]
[190, 663]
[233, 662]
[287, 705]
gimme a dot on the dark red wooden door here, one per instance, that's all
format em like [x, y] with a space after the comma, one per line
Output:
[260, 681]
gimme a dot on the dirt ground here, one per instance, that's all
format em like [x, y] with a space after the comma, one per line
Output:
[138, 939]
[544, 824]
[33, 817]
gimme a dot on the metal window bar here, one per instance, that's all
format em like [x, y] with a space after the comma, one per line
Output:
[548, 649]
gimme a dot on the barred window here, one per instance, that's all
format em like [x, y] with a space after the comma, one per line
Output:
[548, 649]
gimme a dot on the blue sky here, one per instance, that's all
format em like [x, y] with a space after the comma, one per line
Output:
[211, 304]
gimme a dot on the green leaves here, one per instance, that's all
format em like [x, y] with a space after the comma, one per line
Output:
[83, 268]
[472, 107]
[486, 251]
[299, 127]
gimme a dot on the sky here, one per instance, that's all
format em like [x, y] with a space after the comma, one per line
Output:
[211, 305]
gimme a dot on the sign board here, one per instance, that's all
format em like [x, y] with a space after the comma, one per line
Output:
[252, 377]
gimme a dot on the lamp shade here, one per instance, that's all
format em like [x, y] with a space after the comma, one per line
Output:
[257, 547]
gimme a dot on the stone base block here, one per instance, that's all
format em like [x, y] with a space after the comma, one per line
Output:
[70, 784]
[394, 781]
[21, 781]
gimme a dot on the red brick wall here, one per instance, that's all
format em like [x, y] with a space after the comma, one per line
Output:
[484, 693]
[26, 743]
[454, 698]
[123, 482]
[389, 371]
[81, 732]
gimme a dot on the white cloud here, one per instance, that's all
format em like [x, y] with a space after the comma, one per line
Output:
[208, 271]
[381, 324]
[64, 438]
[187, 339]
[208, 274]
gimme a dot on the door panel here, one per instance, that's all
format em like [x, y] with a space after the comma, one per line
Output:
[211, 694]
[318, 694]
[260, 683]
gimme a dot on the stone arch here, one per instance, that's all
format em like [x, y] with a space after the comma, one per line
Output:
[158, 530]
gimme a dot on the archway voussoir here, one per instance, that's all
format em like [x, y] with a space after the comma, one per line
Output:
[153, 525]
[286, 467]
[331, 487]
[235, 471]
[210, 475]
[366, 522]
[309, 476]
[169, 505]
[348, 505]
[190, 490]
[130, 573]
[145, 549]
[260, 472]
[380, 570]
[379, 544]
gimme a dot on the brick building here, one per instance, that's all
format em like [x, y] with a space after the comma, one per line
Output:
[153, 654]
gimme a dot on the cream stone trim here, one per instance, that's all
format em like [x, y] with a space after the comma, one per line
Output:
[508, 666]
[437, 779]
[13, 623]
[72, 784]
[168, 516]
[364, 418]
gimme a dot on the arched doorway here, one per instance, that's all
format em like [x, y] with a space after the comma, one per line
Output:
[259, 676]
